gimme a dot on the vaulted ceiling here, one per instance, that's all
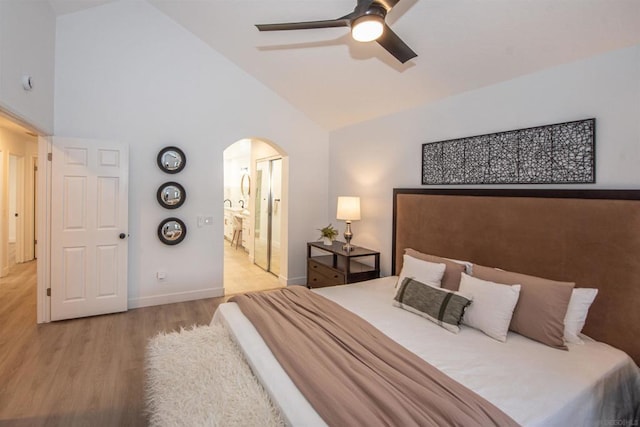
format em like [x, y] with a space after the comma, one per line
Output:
[461, 45]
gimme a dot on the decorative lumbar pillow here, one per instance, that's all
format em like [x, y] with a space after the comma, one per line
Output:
[492, 307]
[451, 277]
[441, 306]
[422, 271]
[581, 300]
[541, 308]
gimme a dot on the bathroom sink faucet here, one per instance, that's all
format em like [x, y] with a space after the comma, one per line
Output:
[230, 203]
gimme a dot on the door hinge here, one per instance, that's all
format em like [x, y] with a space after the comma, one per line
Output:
[35, 168]
[35, 242]
[48, 292]
[49, 156]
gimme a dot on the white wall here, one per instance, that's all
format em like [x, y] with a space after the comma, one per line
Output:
[27, 46]
[370, 159]
[125, 71]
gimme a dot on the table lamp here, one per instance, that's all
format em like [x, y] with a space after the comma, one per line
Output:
[348, 210]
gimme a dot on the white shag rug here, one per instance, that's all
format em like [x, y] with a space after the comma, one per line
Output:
[198, 377]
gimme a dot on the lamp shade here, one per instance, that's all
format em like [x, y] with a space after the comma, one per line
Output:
[348, 208]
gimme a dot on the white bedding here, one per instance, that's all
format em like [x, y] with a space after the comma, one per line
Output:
[534, 384]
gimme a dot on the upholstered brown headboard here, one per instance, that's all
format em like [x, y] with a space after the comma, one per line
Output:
[591, 237]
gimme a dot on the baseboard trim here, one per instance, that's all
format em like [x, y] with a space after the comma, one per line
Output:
[175, 297]
[302, 280]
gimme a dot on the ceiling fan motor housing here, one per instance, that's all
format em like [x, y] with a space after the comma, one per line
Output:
[374, 10]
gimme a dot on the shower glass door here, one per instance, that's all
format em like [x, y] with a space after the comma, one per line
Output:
[268, 214]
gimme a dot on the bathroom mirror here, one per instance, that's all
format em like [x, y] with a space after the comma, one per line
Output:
[171, 195]
[172, 231]
[171, 159]
[245, 185]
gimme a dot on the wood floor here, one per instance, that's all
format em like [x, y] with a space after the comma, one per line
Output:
[83, 372]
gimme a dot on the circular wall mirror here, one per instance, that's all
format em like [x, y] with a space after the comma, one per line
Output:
[172, 231]
[171, 159]
[171, 195]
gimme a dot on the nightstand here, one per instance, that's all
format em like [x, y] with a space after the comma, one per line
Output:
[331, 265]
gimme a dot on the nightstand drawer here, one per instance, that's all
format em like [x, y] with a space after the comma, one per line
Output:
[319, 275]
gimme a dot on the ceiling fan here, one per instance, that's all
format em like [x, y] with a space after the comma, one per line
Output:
[367, 22]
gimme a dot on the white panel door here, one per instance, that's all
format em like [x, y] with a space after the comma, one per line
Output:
[89, 209]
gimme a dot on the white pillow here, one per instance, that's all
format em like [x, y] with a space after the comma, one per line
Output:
[492, 306]
[581, 299]
[426, 272]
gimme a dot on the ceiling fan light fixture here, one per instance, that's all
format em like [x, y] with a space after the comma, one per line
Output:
[367, 28]
[367, 23]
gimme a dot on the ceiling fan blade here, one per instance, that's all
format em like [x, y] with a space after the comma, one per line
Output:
[329, 23]
[395, 46]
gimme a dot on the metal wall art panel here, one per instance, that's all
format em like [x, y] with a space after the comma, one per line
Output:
[562, 153]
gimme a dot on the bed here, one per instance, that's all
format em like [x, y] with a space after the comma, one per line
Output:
[590, 237]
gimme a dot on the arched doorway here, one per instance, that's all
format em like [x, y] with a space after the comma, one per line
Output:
[255, 220]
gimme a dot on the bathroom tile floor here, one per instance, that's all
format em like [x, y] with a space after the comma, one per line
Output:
[241, 275]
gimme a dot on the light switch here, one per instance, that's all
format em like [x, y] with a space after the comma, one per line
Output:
[208, 220]
[161, 275]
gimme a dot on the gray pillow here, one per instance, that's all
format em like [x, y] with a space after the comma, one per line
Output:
[441, 306]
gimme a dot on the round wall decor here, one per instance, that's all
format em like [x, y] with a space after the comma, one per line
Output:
[172, 231]
[171, 159]
[171, 195]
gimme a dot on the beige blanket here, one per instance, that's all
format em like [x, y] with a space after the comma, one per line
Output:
[353, 374]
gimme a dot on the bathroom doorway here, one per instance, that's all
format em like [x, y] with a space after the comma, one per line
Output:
[252, 256]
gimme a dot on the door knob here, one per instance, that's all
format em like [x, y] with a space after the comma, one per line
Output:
[122, 236]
